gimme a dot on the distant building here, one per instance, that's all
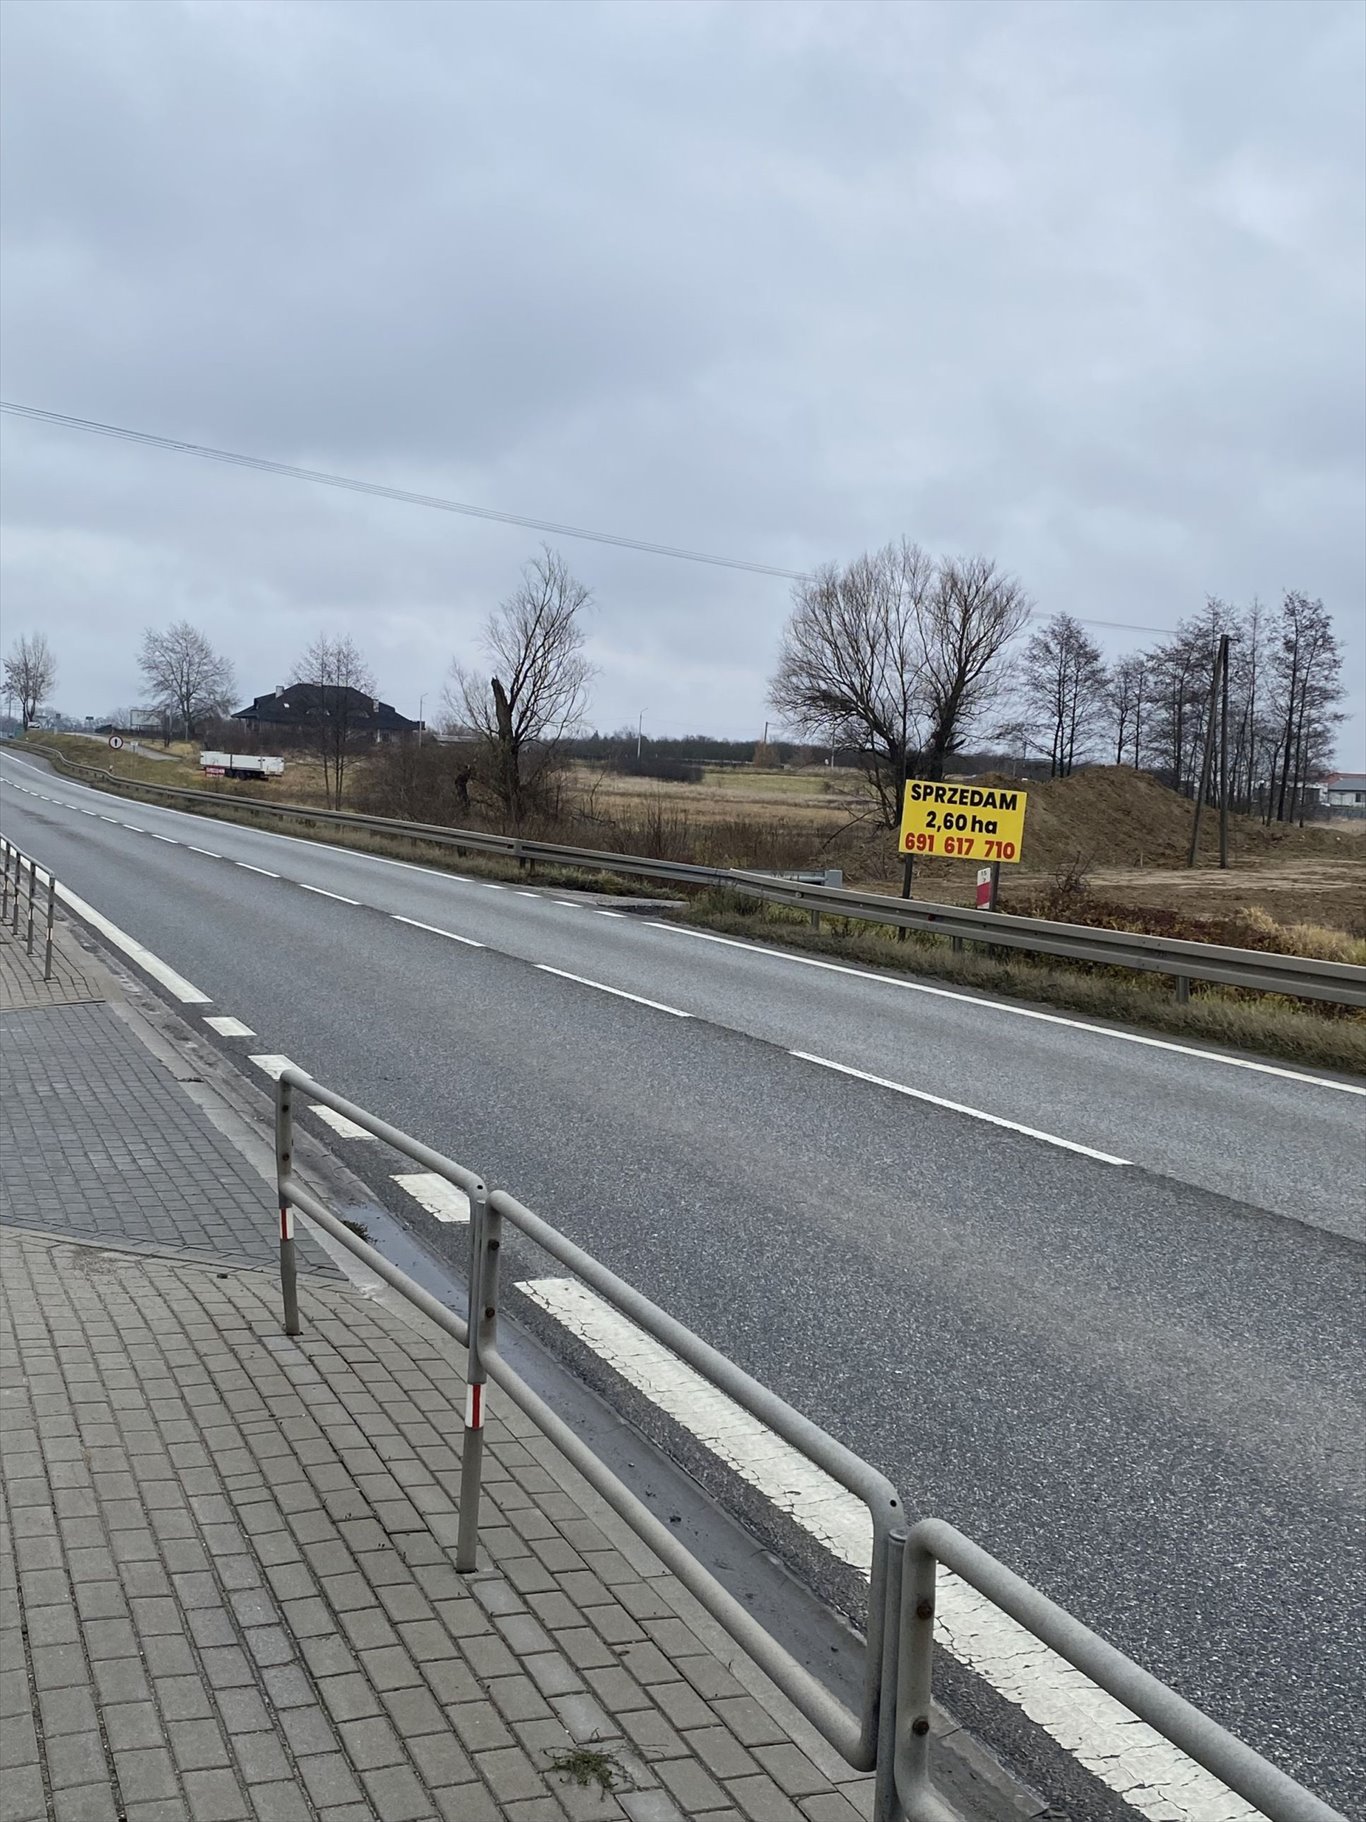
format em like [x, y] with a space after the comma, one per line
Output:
[1343, 791]
[299, 706]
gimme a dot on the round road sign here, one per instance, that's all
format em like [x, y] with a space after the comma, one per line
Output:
[116, 741]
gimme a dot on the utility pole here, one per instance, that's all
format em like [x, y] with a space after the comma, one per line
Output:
[640, 732]
[1223, 752]
[1218, 674]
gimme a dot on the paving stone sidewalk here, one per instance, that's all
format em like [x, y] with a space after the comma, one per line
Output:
[99, 1140]
[229, 1585]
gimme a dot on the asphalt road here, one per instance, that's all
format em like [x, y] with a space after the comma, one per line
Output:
[1138, 1383]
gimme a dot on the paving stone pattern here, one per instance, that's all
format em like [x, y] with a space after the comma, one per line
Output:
[99, 1140]
[21, 975]
[230, 1592]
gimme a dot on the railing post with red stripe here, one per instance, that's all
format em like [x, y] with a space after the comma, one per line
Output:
[485, 1239]
[284, 1158]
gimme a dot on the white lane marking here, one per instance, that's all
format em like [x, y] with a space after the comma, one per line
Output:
[468, 941]
[523, 893]
[324, 894]
[103, 818]
[207, 852]
[133, 826]
[185, 991]
[618, 992]
[442, 1200]
[1019, 1012]
[974, 1113]
[569, 904]
[811, 961]
[344, 1128]
[170, 838]
[246, 864]
[230, 1028]
[89, 812]
[272, 1065]
[1129, 1757]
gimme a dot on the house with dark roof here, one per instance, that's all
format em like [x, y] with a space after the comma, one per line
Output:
[297, 707]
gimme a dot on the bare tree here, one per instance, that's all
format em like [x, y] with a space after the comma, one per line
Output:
[1306, 669]
[30, 674]
[340, 698]
[970, 617]
[1126, 700]
[1064, 687]
[851, 665]
[185, 675]
[538, 688]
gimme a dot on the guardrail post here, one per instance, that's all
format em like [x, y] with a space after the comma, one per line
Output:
[486, 1227]
[32, 888]
[51, 904]
[284, 1158]
[890, 1553]
[1183, 990]
[915, 1679]
[18, 883]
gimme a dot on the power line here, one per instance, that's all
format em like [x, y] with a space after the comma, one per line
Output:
[263, 465]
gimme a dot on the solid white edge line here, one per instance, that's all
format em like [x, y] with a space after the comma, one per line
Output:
[1142, 1766]
[1019, 1012]
[811, 961]
[973, 1113]
[185, 991]
[230, 1028]
[248, 868]
[322, 892]
[450, 935]
[440, 1199]
[619, 992]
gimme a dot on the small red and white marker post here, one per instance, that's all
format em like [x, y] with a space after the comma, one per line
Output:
[988, 883]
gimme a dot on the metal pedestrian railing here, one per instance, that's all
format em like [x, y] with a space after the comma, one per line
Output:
[13, 892]
[890, 1733]
[1258, 971]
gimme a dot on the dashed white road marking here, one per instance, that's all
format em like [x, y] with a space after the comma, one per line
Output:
[442, 1200]
[522, 892]
[113, 819]
[324, 894]
[974, 1113]
[168, 838]
[1151, 1774]
[432, 929]
[617, 992]
[230, 1028]
[247, 867]
[133, 826]
[1019, 1012]
[272, 1064]
[185, 991]
[568, 903]
[89, 812]
[209, 852]
[602, 913]
[344, 1128]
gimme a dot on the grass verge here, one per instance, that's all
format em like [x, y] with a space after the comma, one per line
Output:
[1332, 1038]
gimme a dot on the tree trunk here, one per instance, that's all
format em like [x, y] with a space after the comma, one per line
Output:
[509, 767]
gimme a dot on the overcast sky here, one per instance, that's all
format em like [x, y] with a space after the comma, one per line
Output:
[1077, 285]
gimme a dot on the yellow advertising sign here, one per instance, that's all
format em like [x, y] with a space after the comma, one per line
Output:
[962, 821]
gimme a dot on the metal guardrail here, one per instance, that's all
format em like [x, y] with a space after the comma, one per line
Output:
[1297, 976]
[890, 1733]
[12, 862]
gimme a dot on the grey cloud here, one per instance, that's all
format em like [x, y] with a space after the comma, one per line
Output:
[1081, 286]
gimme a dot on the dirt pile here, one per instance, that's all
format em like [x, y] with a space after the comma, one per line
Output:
[1109, 816]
